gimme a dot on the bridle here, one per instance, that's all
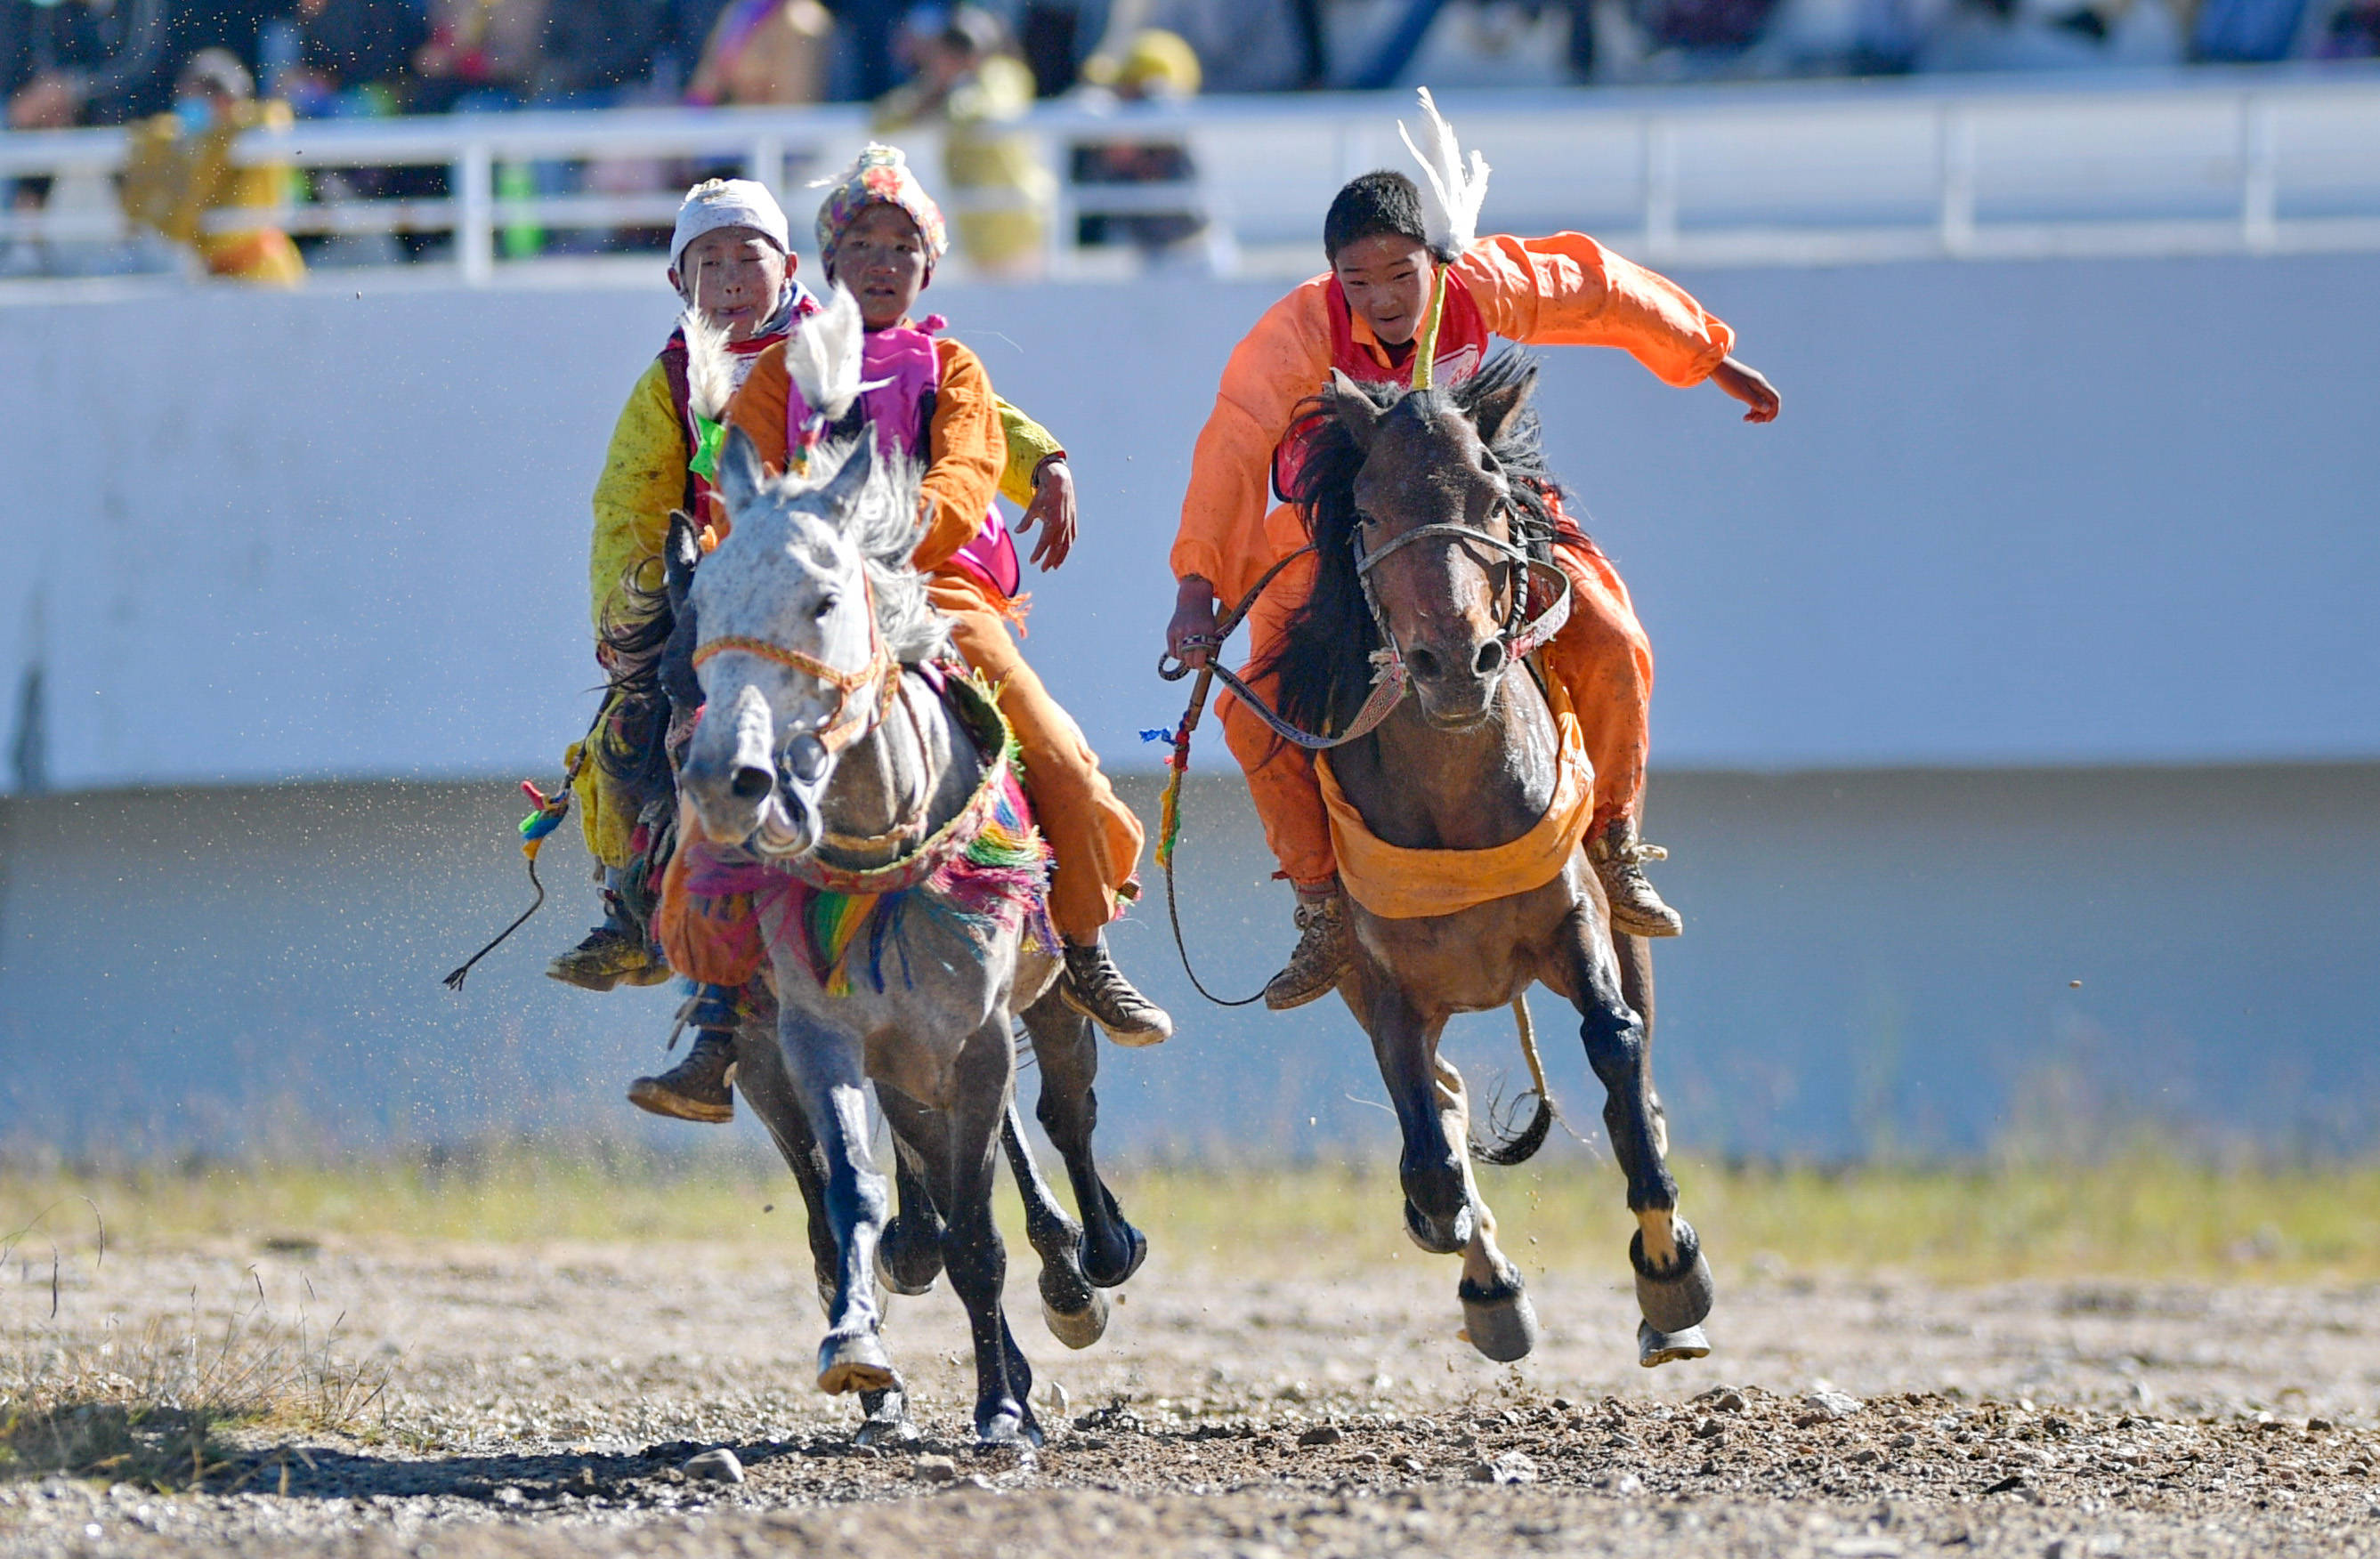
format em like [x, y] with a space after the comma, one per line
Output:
[847, 724]
[854, 718]
[1522, 634]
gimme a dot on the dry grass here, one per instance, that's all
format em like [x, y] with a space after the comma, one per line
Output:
[2142, 1217]
[150, 1408]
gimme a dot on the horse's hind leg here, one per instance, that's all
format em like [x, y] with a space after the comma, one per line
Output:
[1066, 1047]
[1673, 1282]
[1497, 1314]
[910, 1257]
[1076, 1312]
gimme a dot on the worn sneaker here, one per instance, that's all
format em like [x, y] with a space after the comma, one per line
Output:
[1095, 988]
[696, 1088]
[1619, 858]
[1324, 945]
[614, 953]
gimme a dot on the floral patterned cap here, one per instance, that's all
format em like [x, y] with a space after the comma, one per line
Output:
[880, 176]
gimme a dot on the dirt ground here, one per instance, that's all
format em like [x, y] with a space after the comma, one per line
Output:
[544, 1401]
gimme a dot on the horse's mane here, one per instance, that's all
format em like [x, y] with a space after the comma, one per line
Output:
[649, 639]
[1324, 663]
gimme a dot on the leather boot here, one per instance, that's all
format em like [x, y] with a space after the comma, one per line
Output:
[1324, 945]
[615, 953]
[1095, 988]
[1619, 857]
[698, 1087]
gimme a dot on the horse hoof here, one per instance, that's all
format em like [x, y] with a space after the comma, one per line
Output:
[1108, 1262]
[1078, 1328]
[855, 1363]
[1654, 1348]
[905, 1264]
[1680, 1298]
[1009, 1428]
[1432, 1239]
[1503, 1325]
[887, 1421]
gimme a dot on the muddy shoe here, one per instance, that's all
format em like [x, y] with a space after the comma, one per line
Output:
[1619, 857]
[1095, 988]
[614, 953]
[1324, 943]
[696, 1088]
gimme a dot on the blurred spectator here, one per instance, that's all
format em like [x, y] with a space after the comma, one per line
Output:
[970, 83]
[80, 61]
[350, 56]
[179, 169]
[764, 52]
[2056, 35]
[482, 54]
[2246, 31]
[2352, 32]
[1158, 68]
[596, 50]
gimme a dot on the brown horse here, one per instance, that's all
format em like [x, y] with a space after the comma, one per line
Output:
[1429, 513]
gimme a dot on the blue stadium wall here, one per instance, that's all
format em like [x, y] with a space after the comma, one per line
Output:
[2034, 646]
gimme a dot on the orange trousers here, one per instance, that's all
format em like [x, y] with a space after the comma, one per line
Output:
[1094, 836]
[1602, 657]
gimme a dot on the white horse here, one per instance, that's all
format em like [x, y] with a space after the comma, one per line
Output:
[869, 805]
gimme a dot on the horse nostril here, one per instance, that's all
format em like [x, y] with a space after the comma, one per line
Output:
[1491, 659]
[1425, 663]
[751, 783]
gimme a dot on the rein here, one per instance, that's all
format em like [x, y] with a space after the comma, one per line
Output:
[1523, 636]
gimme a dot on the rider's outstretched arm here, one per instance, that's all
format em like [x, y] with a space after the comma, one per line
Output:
[1568, 290]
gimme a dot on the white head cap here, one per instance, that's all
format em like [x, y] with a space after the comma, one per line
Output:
[728, 203]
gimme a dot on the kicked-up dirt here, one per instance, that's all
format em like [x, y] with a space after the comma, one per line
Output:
[550, 1400]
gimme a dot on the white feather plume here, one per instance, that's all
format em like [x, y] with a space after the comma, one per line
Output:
[709, 375]
[822, 355]
[1451, 193]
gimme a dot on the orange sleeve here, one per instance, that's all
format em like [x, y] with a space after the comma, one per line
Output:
[759, 407]
[965, 451]
[1568, 290]
[1279, 364]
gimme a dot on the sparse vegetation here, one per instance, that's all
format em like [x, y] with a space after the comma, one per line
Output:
[2142, 1216]
[149, 1408]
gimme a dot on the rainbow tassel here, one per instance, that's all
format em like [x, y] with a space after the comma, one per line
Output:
[548, 817]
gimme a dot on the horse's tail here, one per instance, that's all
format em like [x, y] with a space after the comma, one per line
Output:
[1521, 1145]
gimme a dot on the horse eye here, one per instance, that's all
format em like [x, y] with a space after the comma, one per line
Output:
[825, 607]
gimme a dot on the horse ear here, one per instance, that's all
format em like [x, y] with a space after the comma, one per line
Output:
[1355, 410]
[740, 474]
[680, 553]
[840, 493]
[1497, 409]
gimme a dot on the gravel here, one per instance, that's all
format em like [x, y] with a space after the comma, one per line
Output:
[589, 1402]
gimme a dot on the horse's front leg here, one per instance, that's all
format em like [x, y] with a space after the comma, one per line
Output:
[1434, 1168]
[826, 1066]
[1673, 1282]
[1497, 1314]
[1066, 1048]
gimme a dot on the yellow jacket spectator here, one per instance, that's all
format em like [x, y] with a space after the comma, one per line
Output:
[179, 172]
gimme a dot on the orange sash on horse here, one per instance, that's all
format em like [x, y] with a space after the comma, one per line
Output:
[1397, 884]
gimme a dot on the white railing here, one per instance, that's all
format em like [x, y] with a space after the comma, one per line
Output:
[2255, 162]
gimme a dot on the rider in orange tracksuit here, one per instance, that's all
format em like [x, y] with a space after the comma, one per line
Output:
[1363, 319]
